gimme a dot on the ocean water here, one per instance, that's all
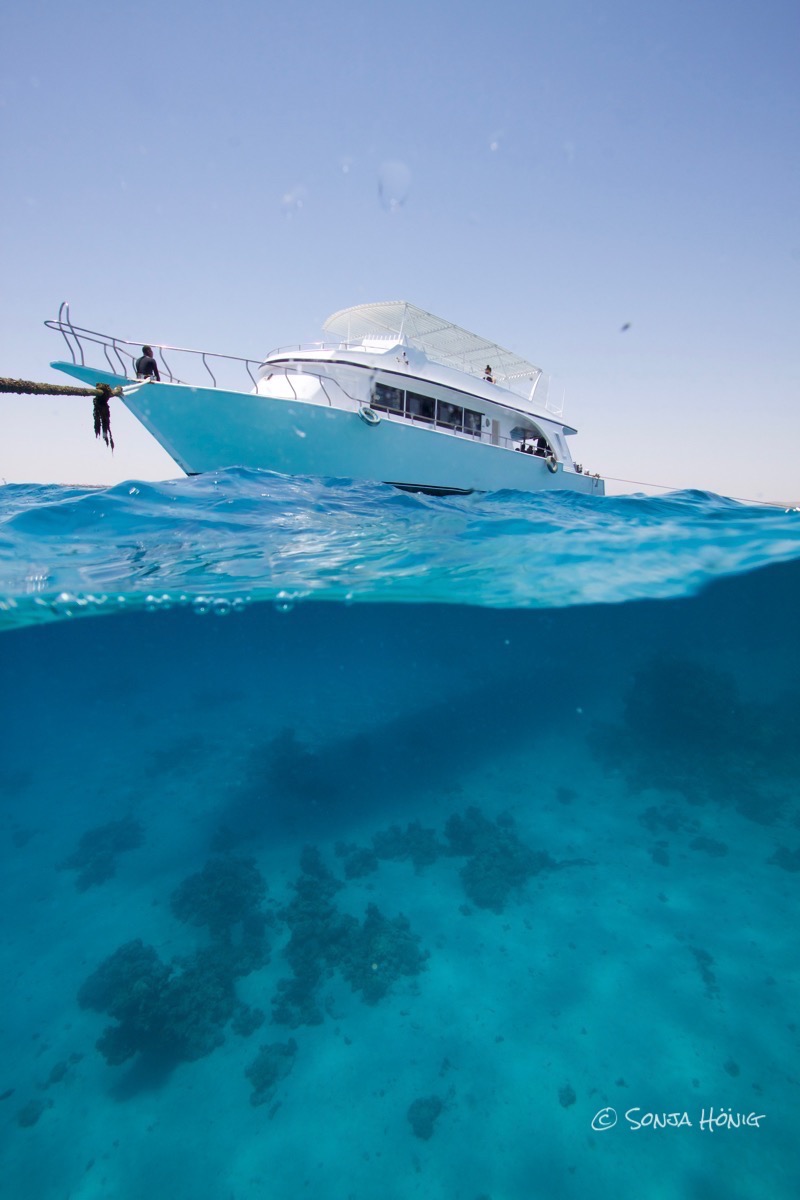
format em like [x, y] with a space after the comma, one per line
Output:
[358, 844]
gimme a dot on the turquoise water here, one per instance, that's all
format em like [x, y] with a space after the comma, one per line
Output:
[358, 844]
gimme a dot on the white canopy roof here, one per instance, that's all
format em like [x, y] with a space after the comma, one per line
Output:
[439, 340]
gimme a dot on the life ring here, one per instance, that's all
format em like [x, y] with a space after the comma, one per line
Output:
[369, 415]
[552, 462]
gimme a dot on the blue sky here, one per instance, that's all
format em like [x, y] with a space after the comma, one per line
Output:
[208, 175]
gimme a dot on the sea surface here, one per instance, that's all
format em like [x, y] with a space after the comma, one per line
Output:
[359, 845]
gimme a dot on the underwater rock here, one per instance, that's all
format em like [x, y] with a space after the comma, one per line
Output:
[423, 1114]
[274, 1063]
[95, 857]
[419, 845]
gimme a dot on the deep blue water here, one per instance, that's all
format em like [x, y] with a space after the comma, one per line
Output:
[360, 844]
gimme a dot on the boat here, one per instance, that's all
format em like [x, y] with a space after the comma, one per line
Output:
[396, 396]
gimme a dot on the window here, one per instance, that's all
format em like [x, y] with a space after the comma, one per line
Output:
[472, 422]
[422, 408]
[426, 408]
[387, 398]
[451, 415]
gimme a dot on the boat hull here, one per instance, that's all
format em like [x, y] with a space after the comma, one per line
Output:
[205, 429]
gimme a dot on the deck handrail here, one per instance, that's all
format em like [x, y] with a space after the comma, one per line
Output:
[78, 335]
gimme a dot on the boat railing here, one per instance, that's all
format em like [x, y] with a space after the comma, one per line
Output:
[120, 356]
[121, 353]
[522, 386]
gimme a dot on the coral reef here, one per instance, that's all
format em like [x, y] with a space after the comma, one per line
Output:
[499, 863]
[419, 845]
[176, 757]
[30, 1113]
[709, 846]
[423, 1114]
[178, 1011]
[96, 855]
[371, 956]
[227, 891]
[357, 861]
[378, 953]
[274, 1063]
[660, 853]
[317, 932]
[226, 897]
[705, 962]
[687, 729]
[177, 1015]
[789, 860]
[667, 817]
[247, 1020]
[287, 769]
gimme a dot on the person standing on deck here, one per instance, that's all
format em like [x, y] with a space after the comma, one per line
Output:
[146, 366]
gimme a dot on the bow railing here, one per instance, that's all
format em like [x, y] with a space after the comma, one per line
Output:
[121, 353]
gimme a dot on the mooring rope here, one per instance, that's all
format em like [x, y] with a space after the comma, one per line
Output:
[665, 487]
[101, 394]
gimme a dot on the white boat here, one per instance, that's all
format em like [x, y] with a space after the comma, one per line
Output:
[400, 397]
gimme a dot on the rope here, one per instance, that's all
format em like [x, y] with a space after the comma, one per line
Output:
[667, 488]
[101, 393]
[24, 387]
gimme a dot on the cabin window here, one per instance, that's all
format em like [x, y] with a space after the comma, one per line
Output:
[426, 408]
[472, 422]
[422, 408]
[387, 398]
[451, 415]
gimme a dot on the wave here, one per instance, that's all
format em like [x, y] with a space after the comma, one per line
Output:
[222, 540]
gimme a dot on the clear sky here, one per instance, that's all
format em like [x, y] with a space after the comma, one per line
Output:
[208, 175]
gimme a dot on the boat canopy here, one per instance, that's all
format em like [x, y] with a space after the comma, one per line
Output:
[440, 340]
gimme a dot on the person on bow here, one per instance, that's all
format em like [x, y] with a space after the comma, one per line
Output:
[146, 366]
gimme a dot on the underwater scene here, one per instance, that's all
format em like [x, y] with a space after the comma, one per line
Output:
[361, 844]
